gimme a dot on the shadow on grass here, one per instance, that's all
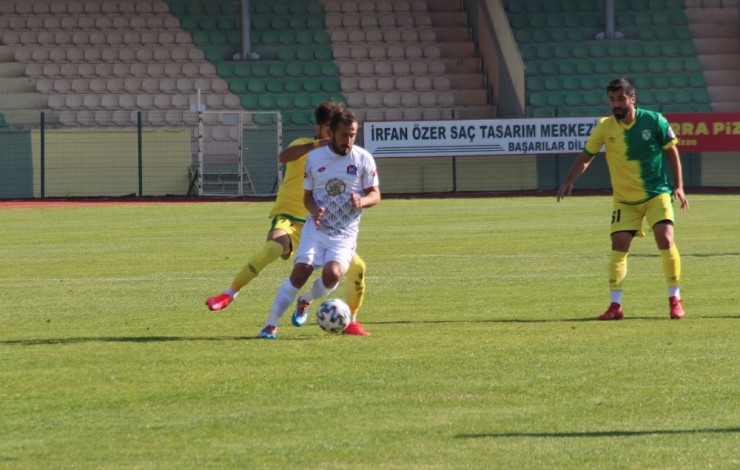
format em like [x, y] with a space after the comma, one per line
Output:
[133, 339]
[690, 255]
[567, 435]
[539, 320]
[165, 339]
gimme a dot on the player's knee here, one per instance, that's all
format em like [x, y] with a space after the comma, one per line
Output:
[300, 274]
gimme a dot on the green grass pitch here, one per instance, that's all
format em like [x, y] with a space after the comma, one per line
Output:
[484, 351]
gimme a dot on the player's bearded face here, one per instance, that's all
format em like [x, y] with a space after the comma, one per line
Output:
[343, 138]
[621, 104]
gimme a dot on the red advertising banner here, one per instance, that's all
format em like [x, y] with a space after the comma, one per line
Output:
[706, 132]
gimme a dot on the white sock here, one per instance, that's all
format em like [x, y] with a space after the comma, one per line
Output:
[616, 296]
[674, 291]
[283, 299]
[232, 293]
[317, 290]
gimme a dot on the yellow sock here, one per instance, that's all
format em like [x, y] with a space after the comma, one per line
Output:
[671, 265]
[355, 284]
[617, 269]
[269, 253]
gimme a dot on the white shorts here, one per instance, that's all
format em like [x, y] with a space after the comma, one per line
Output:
[316, 248]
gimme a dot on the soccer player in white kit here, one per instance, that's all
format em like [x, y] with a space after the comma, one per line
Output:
[340, 180]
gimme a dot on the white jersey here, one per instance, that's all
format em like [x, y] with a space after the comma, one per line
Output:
[333, 178]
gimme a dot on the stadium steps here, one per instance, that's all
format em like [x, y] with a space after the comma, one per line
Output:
[418, 53]
[468, 83]
[568, 67]
[17, 91]
[714, 26]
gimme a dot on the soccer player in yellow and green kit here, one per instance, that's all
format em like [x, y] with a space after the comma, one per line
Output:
[638, 143]
[288, 216]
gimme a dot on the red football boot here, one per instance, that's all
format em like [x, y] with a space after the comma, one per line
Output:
[355, 328]
[614, 312]
[676, 308]
[219, 302]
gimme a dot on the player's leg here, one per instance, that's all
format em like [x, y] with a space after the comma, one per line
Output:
[281, 239]
[660, 215]
[335, 257]
[626, 223]
[355, 295]
[355, 292]
[284, 298]
[331, 274]
[310, 254]
[306, 254]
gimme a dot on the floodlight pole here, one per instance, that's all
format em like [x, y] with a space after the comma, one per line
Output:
[609, 20]
[199, 176]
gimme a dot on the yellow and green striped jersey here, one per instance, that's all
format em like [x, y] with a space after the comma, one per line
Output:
[634, 154]
[290, 195]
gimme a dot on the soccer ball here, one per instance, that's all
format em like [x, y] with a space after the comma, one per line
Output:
[333, 315]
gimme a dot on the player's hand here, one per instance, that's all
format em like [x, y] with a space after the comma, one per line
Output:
[678, 194]
[321, 142]
[318, 216]
[565, 190]
[356, 201]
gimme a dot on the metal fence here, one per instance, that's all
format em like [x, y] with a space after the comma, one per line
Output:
[141, 153]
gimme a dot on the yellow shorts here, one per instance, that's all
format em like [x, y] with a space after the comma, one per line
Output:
[629, 217]
[292, 227]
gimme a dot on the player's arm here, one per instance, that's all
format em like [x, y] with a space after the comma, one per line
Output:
[674, 162]
[294, 152]
[371, 198]
[580, 165]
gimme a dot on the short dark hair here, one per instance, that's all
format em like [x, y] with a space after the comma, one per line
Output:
[621, 84]
[343, 116]
[325, 111]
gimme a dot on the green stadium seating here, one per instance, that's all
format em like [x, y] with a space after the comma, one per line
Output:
[284, 102]
[238, 86]
[267, 101]
[700, 96]
[535, 83]
[302, 101]
[556, 42]
[584, 67]
[311, 85]
[276, 70]
[256, 85]
[588, 83]
[574, 99]
[638, 65]
[682, 97]
[292, 85]
[274, 86]
[249, 101]
[555, 99]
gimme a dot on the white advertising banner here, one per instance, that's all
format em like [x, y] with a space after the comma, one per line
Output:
[477, 137]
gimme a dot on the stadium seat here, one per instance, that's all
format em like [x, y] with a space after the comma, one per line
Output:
[594, 98]
[683, 96]
[664, 97]
[638, 66]
[700, 96]
[537, 99]
[692, 65]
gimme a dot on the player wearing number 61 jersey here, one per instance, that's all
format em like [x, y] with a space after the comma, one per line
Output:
[638, 144]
